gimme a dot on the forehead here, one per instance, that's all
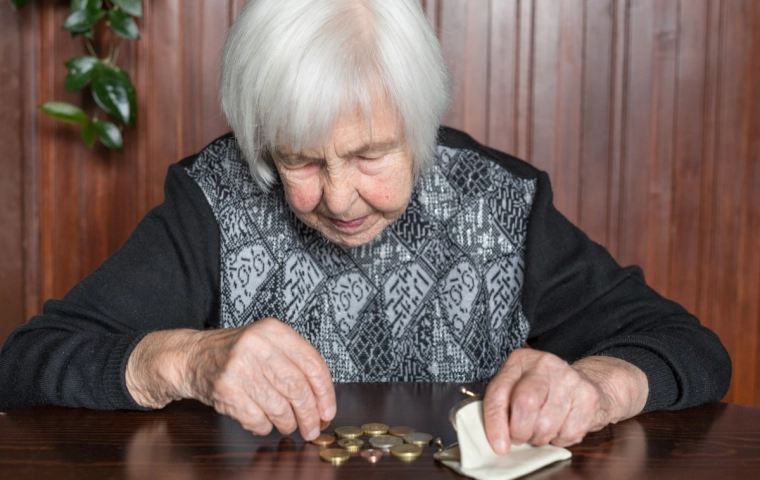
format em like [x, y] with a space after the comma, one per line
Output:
[355, 129]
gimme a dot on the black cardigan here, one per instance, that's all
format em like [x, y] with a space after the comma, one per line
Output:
[577, 300]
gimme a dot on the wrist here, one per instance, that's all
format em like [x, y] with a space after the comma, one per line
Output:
[623, 384]
[157, 369]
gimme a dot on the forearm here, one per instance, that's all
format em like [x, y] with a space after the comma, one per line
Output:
[624, 384]
[158, 369]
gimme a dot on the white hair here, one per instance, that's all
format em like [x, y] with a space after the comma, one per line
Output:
[290, 68]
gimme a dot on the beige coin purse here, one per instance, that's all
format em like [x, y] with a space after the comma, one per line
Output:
[473, 456]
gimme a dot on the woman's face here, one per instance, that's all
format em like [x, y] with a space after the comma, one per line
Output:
[354, 185]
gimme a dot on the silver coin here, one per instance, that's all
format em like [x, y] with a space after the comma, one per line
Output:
[418, 438]
[384, 442]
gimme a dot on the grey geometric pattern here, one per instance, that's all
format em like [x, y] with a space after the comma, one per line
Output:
[435, 297]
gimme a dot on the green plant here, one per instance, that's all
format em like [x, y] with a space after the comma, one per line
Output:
[111, 87]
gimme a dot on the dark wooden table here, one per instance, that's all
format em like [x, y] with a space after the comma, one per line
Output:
[189, 440]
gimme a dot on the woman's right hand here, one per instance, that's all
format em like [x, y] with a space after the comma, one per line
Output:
[263, 375]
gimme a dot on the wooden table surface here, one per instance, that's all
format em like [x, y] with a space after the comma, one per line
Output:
[187, 440]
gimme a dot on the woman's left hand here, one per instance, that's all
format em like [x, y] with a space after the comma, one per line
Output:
[537, 397]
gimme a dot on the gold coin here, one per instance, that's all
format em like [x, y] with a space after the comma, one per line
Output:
[336, 456]
[324, 440]
[418, 438]
[349, 432]
[351, 444]
[372, 429]
[384, 442]
[406, 451]
[371, 455]
[323, 424]
[400, 431]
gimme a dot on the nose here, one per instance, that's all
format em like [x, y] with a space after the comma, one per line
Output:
[339, 192]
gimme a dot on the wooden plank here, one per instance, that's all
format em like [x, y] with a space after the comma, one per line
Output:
[453, 31]
[556, 121]
[713, 83]
[730, 185]
[748, 262]
[213, 31]
[525, 47]
[638, 146]
[503, 77]
[752, 311]
[32, 173]
[596, 131]
[664, 93]
[11, 180]
[159, 92]
[683, 264]
[620, 69]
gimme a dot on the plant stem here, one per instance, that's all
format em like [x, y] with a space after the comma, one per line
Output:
[115, 54]
[89, 46]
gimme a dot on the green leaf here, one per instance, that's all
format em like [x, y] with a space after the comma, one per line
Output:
[64, 111]
[113, 92]
[89, 134]
[132, 7]
[85, 4]
[109, 134]
[80, 72]
[16, 4]
[80, 21]
[131, 96]
[123, 25]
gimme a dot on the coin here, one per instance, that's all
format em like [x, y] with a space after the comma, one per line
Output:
[372, 429]
[418, 438]
[349, 432]
[323, 424]
[336, 456]
[384, 442]
[324, 440]
[351, 444]
[406, 452]
[371, 455]
[400, 431]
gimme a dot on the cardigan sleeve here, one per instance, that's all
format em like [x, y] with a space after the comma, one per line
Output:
[580, 302]
[164, 277]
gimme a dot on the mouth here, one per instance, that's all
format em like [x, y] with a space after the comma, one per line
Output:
[348, 225]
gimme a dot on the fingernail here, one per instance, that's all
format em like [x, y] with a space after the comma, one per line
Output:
[314, 434]
[500, 447]
[330, 412]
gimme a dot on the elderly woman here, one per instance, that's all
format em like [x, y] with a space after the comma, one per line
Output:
[340, 235]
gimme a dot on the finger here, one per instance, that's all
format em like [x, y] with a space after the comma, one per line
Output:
[313, 366]
[551, 418]
[255, 420]
[580, 419]
[247, 413]
[290, 399]
[495, 404]
[574, 429]
[265, 393]
[292, 383]
[528, 398]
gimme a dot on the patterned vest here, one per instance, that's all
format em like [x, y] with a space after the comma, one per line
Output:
[435, 297]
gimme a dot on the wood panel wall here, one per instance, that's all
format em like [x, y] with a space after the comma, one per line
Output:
[646, 114]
